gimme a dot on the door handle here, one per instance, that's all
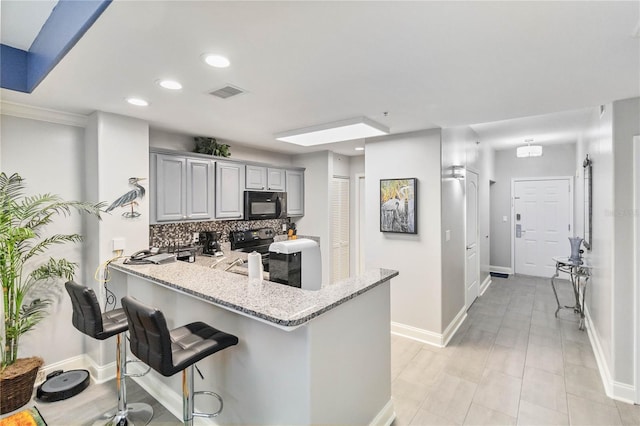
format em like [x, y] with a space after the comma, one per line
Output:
[469, 247]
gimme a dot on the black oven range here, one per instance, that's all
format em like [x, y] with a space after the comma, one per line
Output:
[257, 240]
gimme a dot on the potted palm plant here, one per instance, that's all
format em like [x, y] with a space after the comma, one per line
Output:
[25, 272]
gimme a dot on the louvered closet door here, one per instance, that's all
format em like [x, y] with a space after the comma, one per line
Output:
[339, 229]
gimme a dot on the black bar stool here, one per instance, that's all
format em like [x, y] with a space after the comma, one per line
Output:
[88, 319]
[170, 351]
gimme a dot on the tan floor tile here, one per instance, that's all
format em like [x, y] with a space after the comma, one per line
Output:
[507, 360]
[512, 337]
[480, 416]
[579, 354]
[585, 412]
[405, 409]
[402, 352]
[586, 383]
[409, 390]
[499, 392]
[533, 415]
[629, 413]
[423, 367]
[450, 397]
[545, 358]
[544, 389]
[426, 418]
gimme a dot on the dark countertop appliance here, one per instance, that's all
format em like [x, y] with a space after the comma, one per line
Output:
[210, 244]
[257, 240]
[260, 205]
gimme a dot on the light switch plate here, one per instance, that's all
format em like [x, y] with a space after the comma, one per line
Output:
[504, 218]
[447, 235]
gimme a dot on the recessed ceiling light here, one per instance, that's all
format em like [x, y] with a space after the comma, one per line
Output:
[359, 148]
[170, 84]
[137, 102]
[217, 61]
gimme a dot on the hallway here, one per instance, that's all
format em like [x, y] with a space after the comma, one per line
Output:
[511, 362]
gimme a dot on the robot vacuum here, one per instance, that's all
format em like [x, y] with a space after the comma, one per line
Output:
[62, 385]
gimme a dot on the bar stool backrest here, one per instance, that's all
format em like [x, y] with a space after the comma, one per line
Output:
[149, 335]
[87, 316]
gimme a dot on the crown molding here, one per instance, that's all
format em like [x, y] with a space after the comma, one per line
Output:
[42, 114]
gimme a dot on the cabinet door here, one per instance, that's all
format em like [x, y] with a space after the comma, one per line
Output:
[256, 177]
[170, 187]
[295, 193]
[275, 179]
[199, 189]
[229, 190]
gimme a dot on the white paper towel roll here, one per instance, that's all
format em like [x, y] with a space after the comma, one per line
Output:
[254, 261]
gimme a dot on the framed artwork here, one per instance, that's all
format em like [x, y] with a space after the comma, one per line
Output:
[398, 205]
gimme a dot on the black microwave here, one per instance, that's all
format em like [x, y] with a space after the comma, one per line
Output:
[265, 205]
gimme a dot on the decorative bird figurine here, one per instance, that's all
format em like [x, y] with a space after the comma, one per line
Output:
[129, 199]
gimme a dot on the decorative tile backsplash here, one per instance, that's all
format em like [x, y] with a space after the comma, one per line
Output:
[181, 234]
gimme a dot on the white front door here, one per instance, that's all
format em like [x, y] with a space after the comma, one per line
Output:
[542, 224]
[472, 264]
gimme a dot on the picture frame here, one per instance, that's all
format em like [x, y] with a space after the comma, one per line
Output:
[398, 205]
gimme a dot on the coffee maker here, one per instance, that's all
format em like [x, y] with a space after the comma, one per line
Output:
[210, 244]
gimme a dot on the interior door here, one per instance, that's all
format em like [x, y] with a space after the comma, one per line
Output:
[472, 264]
[542, 224]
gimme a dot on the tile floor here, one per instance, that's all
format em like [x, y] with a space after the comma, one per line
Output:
[511, 362]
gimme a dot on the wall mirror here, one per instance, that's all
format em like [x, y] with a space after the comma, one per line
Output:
[588, 207]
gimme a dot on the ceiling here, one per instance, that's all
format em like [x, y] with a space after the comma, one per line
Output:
[407, 65]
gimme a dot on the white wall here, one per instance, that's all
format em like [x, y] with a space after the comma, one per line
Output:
[117, 148]
[356, 167]
[557, 160]
[316, 219]
[458, 148]
[626, 125]
[50, 158]
[181, 142]
[487, 175]
[416, 292]
[597, 141]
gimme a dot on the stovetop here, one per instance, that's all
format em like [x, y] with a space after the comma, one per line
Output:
[252, 240]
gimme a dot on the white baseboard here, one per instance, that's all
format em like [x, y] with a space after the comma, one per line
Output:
[429, 337]
[386, 416]
[501, 269]
[614, 389]
[417, 334]
[79, 362]
[453, 327]
[485, 285]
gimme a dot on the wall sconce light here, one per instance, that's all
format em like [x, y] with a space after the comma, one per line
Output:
[458, 172]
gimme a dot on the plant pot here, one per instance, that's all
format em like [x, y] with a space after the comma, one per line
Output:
[16, 382]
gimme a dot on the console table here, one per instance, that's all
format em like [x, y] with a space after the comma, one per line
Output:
[579, 274]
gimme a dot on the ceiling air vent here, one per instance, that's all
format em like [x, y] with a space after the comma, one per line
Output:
[227, 92]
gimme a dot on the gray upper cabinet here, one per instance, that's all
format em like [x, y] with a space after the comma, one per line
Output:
[256, 177]
[295, 192]
[260, 178]
[230, 186]
[276, 179]
[183, 188]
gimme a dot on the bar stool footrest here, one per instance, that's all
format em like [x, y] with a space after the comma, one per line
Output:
[208, 415]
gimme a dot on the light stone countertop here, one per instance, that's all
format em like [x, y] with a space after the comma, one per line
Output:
[272, 302]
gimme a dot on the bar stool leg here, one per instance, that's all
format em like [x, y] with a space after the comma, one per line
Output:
[127, 414]
[187, 396]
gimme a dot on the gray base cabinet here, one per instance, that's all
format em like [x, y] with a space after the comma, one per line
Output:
[229, 190]
[183, 188]
[295, 193]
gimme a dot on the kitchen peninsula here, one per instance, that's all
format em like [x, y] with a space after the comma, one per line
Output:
[304, 357]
